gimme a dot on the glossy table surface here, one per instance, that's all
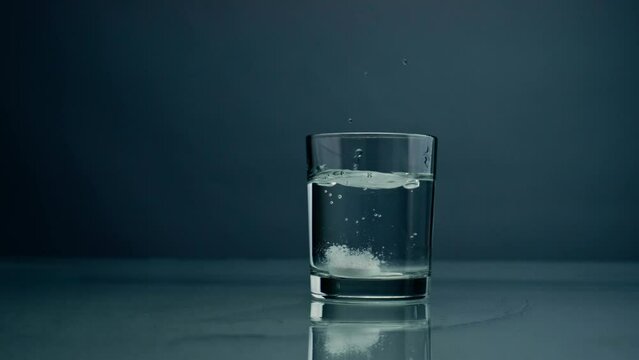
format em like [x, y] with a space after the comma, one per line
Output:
[172, 309]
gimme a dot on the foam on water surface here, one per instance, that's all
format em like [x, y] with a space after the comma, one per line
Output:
[369, 179]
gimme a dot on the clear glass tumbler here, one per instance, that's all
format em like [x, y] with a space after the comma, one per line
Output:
[370, 207]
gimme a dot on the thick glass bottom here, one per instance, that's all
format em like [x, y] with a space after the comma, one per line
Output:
[359, 288]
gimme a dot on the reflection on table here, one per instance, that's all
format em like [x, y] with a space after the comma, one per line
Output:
[369, 330]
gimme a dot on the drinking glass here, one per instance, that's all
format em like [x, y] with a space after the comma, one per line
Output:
[370, 208]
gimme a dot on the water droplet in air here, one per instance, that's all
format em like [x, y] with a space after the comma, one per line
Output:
[405, 61]
[339, 196]
[411, 184]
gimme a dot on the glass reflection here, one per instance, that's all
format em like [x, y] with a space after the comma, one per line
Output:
[369, 330]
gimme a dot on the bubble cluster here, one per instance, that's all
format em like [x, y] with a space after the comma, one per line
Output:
[343, 260]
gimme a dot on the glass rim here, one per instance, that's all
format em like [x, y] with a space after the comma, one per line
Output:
[372, 135]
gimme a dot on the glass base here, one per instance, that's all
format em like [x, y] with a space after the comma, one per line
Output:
[352, 288]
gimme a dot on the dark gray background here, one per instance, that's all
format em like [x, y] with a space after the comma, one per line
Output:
[176, 128]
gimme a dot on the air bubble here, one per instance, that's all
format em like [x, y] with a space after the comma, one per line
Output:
[405, 61]
[330, 194]
[331, 202]
[350, 120]
[363, 217]
[325, 191]
[345, 219]
[356, 221]
[326, 184]
[339, 196]
[414, 234]
[411, 184]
